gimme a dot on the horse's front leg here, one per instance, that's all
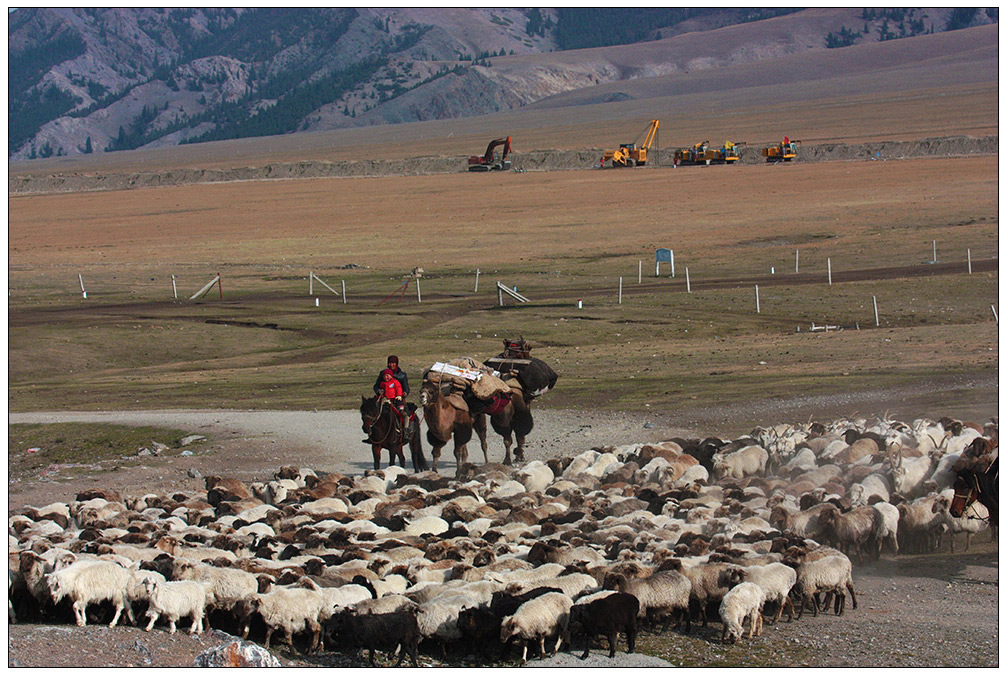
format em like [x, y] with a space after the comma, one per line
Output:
[400, 454]
[377, 457]
[507, 441]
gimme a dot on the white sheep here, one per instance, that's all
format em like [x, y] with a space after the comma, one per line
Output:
[392, 603]
[535, 476]
[742, 601]
[324, 507]
[873, 485]
[427, 525]
[291, 610]
[545, 571]
[830, 574]
[342, 597]
[776, 580]
[908, 474]
[572, 585]
[438, 618]
[175, 599]
[227, 586]
[944, 474]
[889, 532]
[660, 594]
[538, 619]
[803, 460]
[746, 461]
[88, 582]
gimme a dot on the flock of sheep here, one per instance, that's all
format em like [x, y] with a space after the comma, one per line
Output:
[572, 548]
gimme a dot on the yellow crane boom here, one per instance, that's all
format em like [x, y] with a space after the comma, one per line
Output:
[631, 154]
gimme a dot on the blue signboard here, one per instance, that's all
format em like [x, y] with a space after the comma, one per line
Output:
[663, 255]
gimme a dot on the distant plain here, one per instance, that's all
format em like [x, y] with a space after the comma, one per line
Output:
[560, 237]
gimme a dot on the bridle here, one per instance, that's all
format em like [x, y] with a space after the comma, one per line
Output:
[368, 425]
[974, 486]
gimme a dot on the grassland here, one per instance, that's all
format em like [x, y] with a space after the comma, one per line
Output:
[559, 237]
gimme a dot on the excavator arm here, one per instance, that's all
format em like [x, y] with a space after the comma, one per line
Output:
[493, 144]
[488, 162]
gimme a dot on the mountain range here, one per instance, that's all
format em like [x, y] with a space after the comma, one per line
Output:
[104, 80]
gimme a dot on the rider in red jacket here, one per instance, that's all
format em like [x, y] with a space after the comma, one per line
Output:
[391, 389]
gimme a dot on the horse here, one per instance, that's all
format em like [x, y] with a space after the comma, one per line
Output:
[978, 479]
[444, 421]
[384, 429]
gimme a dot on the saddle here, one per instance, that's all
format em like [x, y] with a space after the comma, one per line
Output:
[403, 421]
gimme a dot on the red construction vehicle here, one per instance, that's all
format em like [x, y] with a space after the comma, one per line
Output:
[489, 161]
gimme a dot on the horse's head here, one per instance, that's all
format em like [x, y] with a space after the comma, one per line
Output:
[964, 495]
[370, 411]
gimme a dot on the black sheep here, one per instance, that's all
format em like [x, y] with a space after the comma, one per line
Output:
[383, 631]
[608, 615]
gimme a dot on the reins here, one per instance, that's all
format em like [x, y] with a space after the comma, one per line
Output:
[391, 425]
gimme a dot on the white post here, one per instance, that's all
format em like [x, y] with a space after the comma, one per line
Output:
[619, 289]
[343, 291]
[317, 302]
[499, 292]
[419, 293]
[477, 272]
[310, 283]
[206, 287]
[174, 288]
[672, 264]
[934, 251]
[994, 314]
[757, 301]
[82, 291]
[797, 261]
[640, 271]
[969, 260]
[688, 281]
[876, 316]
[829, 271]
[657, 271]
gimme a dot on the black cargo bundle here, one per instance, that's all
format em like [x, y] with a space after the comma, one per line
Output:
[536, 377]
[533, 374]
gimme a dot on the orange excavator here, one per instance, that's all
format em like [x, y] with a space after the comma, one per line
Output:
[489, 161]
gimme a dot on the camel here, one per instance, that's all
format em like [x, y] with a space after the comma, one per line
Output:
[514, 420]
[445, 420]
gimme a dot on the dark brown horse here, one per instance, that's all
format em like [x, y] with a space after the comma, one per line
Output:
[978, 479]
[385, 430]
[444, 421]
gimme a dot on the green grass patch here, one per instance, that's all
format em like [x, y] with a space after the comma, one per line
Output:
[33, 447]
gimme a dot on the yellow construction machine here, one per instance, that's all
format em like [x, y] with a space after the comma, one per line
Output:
[784, 151]
[632, 154]
[702, 153]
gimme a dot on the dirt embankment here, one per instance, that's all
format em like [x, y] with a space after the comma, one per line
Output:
[537, 160]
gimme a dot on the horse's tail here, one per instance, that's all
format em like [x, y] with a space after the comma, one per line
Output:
[416, 445]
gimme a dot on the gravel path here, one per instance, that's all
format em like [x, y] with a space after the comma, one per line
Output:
[252, 445]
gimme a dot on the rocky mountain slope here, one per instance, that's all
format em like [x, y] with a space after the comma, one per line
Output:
[93, 80]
